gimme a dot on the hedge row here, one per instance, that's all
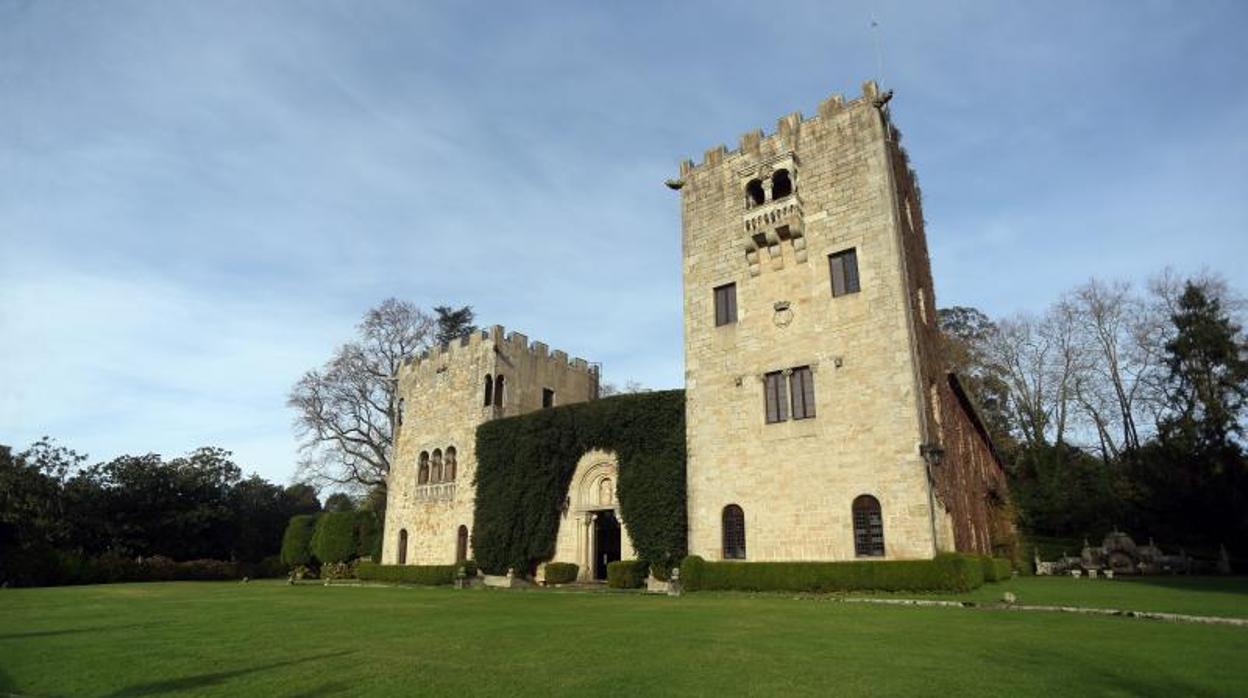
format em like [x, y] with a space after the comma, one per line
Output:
[627, 574]
[428, 575]
[996, 569]
[561, 572]
[51, 567]
[947, 572]
[525, 465]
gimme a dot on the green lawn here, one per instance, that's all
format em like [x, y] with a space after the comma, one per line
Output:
[267, 638]
[1201, 596]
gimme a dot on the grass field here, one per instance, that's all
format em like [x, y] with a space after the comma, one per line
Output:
[266, 638]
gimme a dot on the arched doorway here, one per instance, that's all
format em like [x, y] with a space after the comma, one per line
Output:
[606, 542]
[591, 531]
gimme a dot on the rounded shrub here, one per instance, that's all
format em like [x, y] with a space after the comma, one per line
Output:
[627, 574]
[297, 540]
[561, 572]
[334, 539]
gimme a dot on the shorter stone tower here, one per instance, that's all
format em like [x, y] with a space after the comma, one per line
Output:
[443, 396]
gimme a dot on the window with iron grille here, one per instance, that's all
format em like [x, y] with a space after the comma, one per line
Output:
[802, 388]
[734, 532]
[777, 399]
[725, 304]
[844, 267]
[868, 527]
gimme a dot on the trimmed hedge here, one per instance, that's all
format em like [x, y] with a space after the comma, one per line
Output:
[996, 569]
[428, 575]
[947, 572]
[561, 572]
[297, 540]
[525, 465]
[627, 574]
[334, 538]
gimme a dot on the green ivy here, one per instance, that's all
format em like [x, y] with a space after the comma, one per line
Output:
[525, 466]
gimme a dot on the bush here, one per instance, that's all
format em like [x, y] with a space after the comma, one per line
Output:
[525, 465]
[204, 570]
[561, 572]
[947, 572]
[270, 567]
[469, 567]
[297, 540]
[429, 575]
[338, 570]
[996, 569]
[334, 539]
[367, 535]
[627, 574]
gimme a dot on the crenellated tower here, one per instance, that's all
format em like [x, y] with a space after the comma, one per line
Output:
[811, 356]
[443, 395]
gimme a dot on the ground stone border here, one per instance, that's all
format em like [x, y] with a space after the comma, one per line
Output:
[1145, 615]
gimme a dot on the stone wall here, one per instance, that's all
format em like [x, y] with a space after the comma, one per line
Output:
[443, 396]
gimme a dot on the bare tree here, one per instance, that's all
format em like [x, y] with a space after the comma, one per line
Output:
[346, 410]
[1022, 353]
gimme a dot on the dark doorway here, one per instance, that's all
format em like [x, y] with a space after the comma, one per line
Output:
[461, 544]
[606, 542]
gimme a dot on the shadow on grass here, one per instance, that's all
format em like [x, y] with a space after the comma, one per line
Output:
[187, 683]
[1094, 678]
[73, 631]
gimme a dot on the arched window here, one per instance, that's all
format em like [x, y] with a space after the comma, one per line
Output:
[461, 544]
[422, 471]
[450, 466]
[734, 533]
[435, 472]
[403, 546]
[754, 194]
[868, 527]
[489, 390]
[499, 384]
[781, 185]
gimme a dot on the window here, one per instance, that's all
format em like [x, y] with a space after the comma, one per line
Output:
[868, 527]
[489, 390]
[725, 304]
[548, 397]
[754, 194]
[734, 532]
[398, 414]
[422, 471]
[498, 391]
[781, 185]
[461, 544]
[802, 388]
[920, 300]
[777, 401]
[402, 546]
[450, 465]
[844, 267]
[435, 472]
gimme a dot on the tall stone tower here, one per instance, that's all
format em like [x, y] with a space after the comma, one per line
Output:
[812, 374]
[443, 397]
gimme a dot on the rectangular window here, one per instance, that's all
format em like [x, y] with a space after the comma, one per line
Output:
[777, 401]
[725, 304]
[548, 397]
[844, 266]
[802, 388]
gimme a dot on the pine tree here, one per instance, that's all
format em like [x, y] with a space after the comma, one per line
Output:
[453, 323]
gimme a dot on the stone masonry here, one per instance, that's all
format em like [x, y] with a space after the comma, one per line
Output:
[443, 400]
[873, 354]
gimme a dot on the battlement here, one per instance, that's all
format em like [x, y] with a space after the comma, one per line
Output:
[498, 339]
[759, 145]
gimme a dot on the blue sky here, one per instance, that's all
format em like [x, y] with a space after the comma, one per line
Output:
[199, 199]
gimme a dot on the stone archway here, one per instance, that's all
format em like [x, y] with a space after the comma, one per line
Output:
[591, 496]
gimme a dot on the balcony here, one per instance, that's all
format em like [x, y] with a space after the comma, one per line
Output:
[435, 492]
[774, 214]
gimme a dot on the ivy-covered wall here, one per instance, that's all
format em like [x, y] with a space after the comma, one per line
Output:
[525, 466]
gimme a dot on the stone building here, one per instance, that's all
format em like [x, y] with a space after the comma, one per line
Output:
[820, 422]
[444, 396]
